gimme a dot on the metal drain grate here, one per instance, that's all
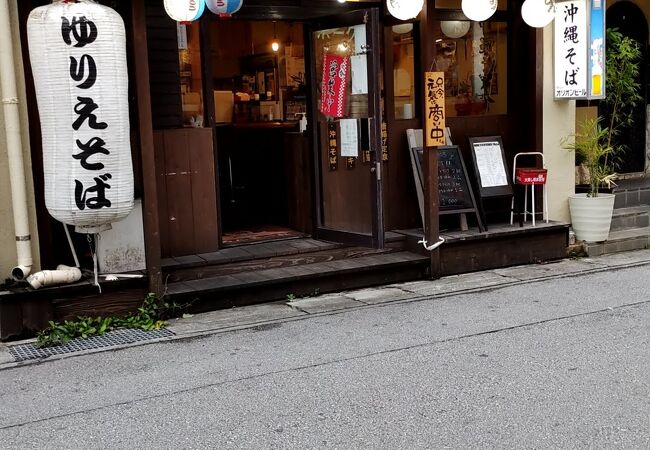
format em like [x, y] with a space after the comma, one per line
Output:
[24, 352]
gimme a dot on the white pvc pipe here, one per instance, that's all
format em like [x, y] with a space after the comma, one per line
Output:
[9, 94]
[62, 274]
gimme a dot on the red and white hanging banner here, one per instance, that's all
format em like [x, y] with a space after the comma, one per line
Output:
[336, 70]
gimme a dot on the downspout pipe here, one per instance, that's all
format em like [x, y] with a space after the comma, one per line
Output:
[9, 94]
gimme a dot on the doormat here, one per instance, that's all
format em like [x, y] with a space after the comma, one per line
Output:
[25, 352]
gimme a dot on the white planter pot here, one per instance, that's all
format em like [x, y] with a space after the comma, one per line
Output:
[591, 216]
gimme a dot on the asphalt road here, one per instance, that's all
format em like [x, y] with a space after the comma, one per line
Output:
[563, 363]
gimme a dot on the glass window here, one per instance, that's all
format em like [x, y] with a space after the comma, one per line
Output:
[404, 70]
[189, 59]
[474, 58]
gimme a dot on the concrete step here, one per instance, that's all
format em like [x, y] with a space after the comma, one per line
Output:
[620, 241]
[631, 217]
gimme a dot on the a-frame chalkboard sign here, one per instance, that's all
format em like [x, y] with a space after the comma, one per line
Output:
[455, 192]
[490, 168]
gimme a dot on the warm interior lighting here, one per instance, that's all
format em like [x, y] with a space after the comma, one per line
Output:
[454, 29]
[275, 44]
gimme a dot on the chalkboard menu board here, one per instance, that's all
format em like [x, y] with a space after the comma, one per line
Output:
[454, 191]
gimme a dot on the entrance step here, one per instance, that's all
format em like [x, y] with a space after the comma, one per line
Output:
[257, 286]
[620, 241]
[630, 217]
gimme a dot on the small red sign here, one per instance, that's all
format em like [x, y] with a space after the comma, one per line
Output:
[335, 84]
[530, 176]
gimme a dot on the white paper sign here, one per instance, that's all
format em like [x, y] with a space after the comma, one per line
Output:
[359, 74]
[349, 138]
[570, 46]
[490, 164]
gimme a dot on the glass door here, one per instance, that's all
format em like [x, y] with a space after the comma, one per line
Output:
[346, 115]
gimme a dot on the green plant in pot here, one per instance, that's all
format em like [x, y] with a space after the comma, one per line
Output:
[597, 148]
[591, 212]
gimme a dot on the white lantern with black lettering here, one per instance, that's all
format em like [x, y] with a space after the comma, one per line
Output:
[78, 56]
[224, 6]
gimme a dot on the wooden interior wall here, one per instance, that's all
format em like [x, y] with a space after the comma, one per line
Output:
[164, 69]
[187, 200]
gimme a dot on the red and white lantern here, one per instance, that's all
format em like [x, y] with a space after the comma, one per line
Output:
[224, 7]
[78, 56]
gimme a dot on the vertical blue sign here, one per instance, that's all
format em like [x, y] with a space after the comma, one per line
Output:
[596, 50]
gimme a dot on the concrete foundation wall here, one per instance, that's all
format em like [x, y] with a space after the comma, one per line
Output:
[7, 236]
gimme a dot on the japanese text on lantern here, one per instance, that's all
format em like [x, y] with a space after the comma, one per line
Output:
[79, 33]
[434, 88]
[570, 49]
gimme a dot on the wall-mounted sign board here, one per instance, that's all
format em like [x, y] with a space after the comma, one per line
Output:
[434, 90]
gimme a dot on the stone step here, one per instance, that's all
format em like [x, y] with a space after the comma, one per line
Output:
[632, 217]
[620, 241]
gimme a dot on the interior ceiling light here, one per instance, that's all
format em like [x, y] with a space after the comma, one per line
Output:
[454, 28]
[538, 13]
[275, 44]
[404, 9]
[479, 10]
[403, 28]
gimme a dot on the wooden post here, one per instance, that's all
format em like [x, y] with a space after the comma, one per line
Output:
[430, 156]
[145, 128]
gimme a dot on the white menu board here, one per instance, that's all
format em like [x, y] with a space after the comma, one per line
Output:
[349, 138]
[489, 162]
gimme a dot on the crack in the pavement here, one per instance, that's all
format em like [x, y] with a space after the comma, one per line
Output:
[322, 364]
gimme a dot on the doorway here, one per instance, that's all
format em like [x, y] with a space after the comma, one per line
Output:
[630, 20]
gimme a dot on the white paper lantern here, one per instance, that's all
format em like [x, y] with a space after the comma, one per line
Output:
[404, 9]
[454, 28]
[479, 10]
[78, 57]
[184, 10]
[538, 13]
[403, 28]
[224, 6]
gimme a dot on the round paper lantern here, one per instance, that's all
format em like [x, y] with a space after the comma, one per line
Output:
[479, 10]
[454, 28]
[403, 28]
[538, 13]
[184, 10]
[404, 9]
[224, 6]
[78, 57]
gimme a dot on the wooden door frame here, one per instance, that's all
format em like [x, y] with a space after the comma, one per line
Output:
[372, 17]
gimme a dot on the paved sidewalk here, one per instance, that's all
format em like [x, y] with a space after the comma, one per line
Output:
[268, 314]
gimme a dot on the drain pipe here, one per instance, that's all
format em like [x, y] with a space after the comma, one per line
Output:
[9, 94]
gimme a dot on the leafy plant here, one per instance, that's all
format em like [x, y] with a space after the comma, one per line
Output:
[152, 315]
[291, 297]
[622, 91]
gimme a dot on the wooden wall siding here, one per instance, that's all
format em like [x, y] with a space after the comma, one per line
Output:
[299, 192]
[164, 71]
[187, 200]
[346, 195]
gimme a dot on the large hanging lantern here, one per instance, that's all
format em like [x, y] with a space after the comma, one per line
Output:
[479, 10]
[404, 9]
[78, 56]
[538, 13]
[454, 28]
[185, 10]
[224, 6]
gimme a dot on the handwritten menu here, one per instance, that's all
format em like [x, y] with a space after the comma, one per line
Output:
[453, 186]
[489, 163]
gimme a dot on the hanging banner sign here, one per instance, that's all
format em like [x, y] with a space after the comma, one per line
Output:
[434, 89]
[571, 39]
[332, 145]
[334, 89]
[596, 50]
[78, 57]
[224, 7]
[184, 10]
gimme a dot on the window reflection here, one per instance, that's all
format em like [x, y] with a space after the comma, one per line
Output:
[474, 58]
[403, 70]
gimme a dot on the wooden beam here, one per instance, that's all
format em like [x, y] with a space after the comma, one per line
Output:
[145, 128]
[430, 157]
